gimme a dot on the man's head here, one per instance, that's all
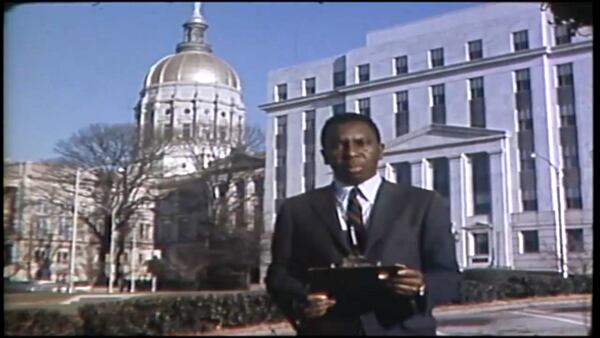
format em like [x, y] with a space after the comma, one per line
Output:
[352, 147]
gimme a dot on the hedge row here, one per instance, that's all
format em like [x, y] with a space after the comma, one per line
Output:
[40, 323]
[515, 284]
[200, 313]
[160, 315]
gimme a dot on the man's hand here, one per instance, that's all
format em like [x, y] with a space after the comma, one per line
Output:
[405, 282]
[318, 304]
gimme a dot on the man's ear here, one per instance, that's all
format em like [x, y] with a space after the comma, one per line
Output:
[325, 158]
[381, 148]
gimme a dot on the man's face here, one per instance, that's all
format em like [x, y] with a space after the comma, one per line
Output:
[352, 151]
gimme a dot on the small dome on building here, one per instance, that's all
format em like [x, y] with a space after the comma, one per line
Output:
[192, 66]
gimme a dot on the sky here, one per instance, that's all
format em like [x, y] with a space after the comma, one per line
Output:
[68, 65]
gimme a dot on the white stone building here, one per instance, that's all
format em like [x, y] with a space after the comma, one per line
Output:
[461, 100]
[38, 231]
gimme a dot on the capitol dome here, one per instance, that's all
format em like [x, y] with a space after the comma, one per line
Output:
[192, 66]
[193, 61]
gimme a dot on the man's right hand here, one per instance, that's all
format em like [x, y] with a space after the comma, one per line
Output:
[318, 304]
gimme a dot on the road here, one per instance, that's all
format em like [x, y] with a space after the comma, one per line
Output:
[551, 319]
[570, 316]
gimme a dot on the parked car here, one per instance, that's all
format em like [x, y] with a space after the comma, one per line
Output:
[13, 286]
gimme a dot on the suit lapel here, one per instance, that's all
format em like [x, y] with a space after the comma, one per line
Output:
[324, 205]
[388, 204]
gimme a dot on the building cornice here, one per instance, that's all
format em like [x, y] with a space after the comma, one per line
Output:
[429, 74]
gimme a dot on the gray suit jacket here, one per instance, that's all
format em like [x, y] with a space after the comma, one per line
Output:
[407, 225]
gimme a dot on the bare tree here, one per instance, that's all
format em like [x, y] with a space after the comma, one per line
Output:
[253, 139]
[120, 179]
[219, 218]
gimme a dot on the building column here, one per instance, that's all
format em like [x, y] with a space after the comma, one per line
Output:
[502, 238]
[458, 198]
[419, 177]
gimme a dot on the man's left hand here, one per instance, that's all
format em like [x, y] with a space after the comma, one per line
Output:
[405, 282]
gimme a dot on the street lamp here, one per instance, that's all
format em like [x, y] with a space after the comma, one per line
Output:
[561, 235]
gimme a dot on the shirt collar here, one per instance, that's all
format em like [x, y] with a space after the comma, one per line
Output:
[368, 188]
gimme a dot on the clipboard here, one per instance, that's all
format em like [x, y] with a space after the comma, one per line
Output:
[342, 282]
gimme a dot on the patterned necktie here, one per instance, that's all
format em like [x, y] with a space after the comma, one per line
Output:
[356, 228]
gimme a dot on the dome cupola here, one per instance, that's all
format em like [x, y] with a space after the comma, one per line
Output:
[193, 61]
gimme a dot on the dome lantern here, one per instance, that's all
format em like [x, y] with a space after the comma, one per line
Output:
[193, 32]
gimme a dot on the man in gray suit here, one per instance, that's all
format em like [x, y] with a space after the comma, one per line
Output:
[388, 223]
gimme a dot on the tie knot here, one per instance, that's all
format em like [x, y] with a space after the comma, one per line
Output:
[354, 192]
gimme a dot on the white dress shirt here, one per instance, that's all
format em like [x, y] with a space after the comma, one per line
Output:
[366, 197]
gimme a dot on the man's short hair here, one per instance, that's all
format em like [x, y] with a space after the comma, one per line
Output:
[336, 120]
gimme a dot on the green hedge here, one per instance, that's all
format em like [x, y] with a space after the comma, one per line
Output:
[162, 315]
[482, 285]
[40, 323]
[159, 315]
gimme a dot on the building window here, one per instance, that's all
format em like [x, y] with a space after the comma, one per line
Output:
[281, 92]
[475, 50]
[168, 130]
[309, 150]
[441, 178]
[520, 40]
[403, 173]
[187, 111]
[280, 156]
[525, 138]
[364, 106]
[562, 34]
[168, 111]
[481, 246]
[477, 102]
[575, 240]
[564, 75]
[530, 242]
[187, 131]
[436, 57]
[529, 199]
[523, 82]
[339, 79]
[309, 86]
[240, 190]
[62, 257]
[223, 133]
[438, 104]
[568, 135]
[401, 112]
[573, 196]
[482, 200]
[401, 65]
[258, 206]
[363, 73]
[570, 156]
[339, 108]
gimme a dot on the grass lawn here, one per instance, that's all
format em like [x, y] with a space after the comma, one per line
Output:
[52, 301]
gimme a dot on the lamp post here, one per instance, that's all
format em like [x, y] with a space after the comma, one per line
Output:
[560, 226]
[74, 228]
